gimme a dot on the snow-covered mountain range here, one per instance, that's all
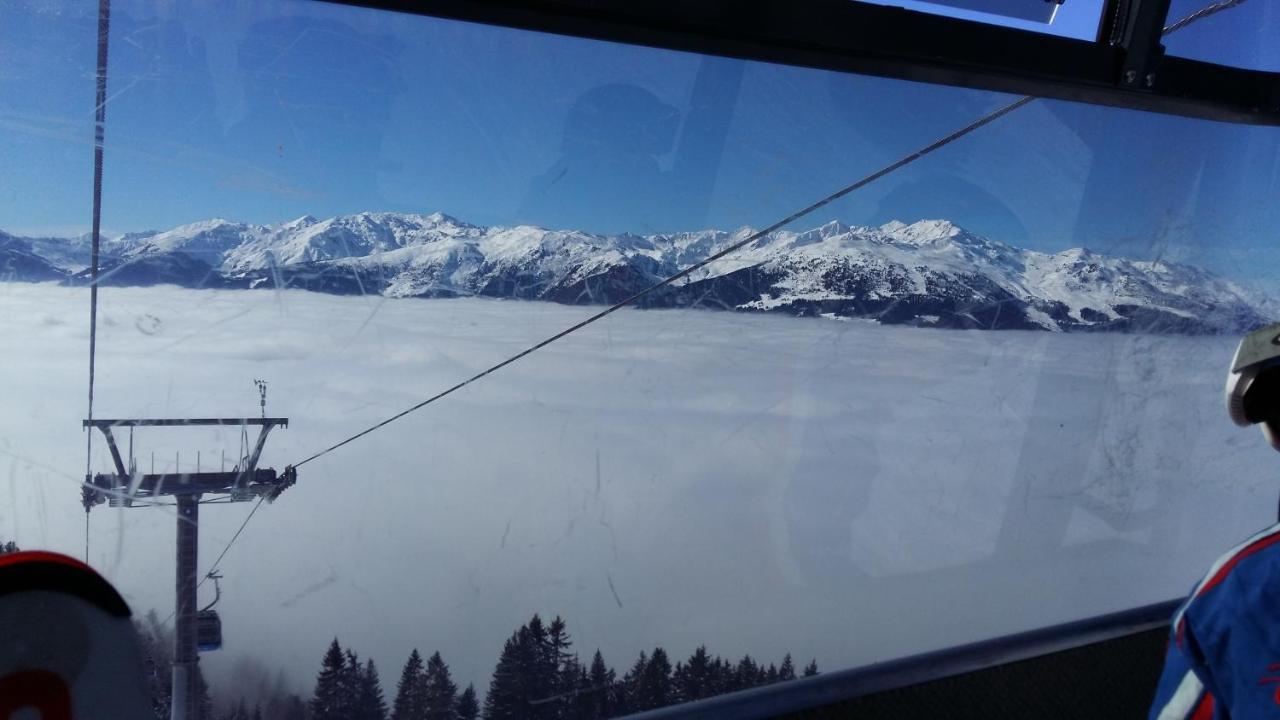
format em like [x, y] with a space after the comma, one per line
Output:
[930, 273]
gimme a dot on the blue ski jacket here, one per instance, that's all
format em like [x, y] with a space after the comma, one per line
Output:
[1224, 643]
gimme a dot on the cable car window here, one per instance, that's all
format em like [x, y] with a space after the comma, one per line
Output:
[1077, 19]
[1243, 35]
[975, 394]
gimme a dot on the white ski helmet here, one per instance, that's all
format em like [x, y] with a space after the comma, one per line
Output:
[1253, 383]
[69, 646]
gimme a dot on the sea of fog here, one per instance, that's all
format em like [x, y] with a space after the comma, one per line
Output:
[760, 484]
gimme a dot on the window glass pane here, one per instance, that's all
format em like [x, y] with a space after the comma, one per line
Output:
[1077, 19]
[1243, 36]
[981, 395]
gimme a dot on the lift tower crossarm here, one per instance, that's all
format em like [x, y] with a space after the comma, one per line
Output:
[115, 451]
[185, 483]
[244, 483]
[178, 422]
[248, 470]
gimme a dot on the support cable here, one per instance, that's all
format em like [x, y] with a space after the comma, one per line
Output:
[1199, 15]
[213, 569]
[867, 180]
[99, 135]
[888, 169]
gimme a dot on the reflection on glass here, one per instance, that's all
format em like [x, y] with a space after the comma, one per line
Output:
[1077, 19]
[1243, 35]
[980, 396]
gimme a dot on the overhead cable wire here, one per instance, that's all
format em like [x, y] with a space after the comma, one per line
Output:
[1200, 14]
[226, 548]
[732, 248]
[867, 180]
[863, 182]
[99, 136]
[214, 567]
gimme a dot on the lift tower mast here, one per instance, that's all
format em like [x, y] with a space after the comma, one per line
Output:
[246, 482]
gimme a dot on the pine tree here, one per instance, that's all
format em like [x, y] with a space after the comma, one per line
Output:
[539, 677]
[440, 690]
[284, 705]
[540, 668]
[257, 713]
[275, 698]
[204, 702]
[574, 687]
[577, 705]
[239, 712]
[747, 674]
[654, 687]
[558, 660]
[694, 680]
[8, 547]
[156, 643]
[369, 702]
[352, 680]
[468, 707]
[294, 709]
[525, 678]
[507, 696]
[598, 696]
[330, 700]
[410, 703]
[722, 680]
[629, 699]
[787, 671]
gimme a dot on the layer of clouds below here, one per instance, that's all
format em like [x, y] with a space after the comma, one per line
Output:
[760, 484]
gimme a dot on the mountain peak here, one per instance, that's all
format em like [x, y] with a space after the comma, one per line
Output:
[834, 227]
[922, 232]
[439, 218]
[930, 272]
[186, 229]
[1077, 253]
[301, 222]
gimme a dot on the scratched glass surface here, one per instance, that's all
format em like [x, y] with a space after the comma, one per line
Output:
[1078, 19]
[978, 396]
[1251, 27]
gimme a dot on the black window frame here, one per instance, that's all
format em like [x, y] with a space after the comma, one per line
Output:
[1124, 67]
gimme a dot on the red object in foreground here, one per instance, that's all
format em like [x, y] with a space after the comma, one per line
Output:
[30, 556]
[39, 689]
[70, 650]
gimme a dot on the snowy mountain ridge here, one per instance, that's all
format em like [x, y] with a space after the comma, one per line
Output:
[930, 272]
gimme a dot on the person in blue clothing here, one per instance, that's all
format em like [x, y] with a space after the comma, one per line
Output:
[1224, 644]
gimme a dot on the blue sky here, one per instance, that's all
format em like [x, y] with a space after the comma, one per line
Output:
[266, 112]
